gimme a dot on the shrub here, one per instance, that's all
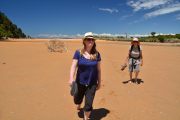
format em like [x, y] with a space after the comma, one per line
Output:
[56, 46]
[161, 39]
[177, 36]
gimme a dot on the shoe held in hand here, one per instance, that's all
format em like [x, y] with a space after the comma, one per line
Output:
[123, 67]
[74, 89]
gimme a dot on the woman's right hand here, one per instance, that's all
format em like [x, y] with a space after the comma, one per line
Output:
[70, 82]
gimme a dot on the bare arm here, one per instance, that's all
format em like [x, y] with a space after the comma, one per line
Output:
[127, 59]
[99, 75]
[141, 58]
[73, 70]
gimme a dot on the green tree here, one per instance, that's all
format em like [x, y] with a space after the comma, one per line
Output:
[153, 33]
[8, 29]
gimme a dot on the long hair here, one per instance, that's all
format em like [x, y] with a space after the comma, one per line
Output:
[93, 52]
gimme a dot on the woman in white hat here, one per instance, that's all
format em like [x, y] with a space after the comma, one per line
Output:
[134, 59]
[88, 76]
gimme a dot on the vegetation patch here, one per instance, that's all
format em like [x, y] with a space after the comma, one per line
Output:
[56, 46]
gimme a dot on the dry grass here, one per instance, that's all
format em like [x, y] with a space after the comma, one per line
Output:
[56, 46]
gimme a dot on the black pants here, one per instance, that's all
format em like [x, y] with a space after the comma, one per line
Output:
[89, 93]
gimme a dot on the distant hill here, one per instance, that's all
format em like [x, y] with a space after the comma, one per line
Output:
[8, 29]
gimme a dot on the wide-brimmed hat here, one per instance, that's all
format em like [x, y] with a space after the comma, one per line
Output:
[135, 39]
[88, 35]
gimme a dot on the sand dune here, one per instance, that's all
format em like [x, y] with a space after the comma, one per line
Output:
[34, 83]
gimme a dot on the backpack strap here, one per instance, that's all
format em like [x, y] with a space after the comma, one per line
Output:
[130, 51]
[139, 48]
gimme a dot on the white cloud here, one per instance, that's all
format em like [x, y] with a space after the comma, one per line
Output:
[136, 21]
[108, 10]
[52, 35]
[101, 34]
[160, 7]
[59, 36]
[166, 10]
[104, 34]
[123, 35]
[147, 4]
[125, 17]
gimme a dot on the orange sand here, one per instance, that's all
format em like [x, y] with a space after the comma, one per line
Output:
[34, 83]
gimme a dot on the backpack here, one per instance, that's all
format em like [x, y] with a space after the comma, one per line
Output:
[140, 56]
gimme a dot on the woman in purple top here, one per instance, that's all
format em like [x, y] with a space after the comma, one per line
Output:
[88, 76]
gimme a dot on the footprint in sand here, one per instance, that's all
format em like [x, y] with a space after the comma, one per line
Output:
[112, 93]
[102, 101]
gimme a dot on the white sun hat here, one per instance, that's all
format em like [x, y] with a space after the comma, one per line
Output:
[88, 35]
[135, 39]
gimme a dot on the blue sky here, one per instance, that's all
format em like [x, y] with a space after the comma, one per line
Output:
[74, 17]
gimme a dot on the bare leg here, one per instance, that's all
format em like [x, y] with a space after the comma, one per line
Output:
[86, 115]
[136, 75]
[78, 106]
[130, 75]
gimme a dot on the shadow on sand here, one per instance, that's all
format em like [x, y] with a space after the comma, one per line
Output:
[138, 81]
[96, 114]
